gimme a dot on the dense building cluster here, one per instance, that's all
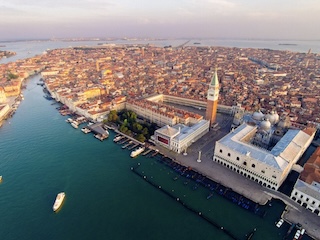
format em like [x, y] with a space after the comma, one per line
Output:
[287, 82]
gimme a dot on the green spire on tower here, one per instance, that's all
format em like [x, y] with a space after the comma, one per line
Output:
[214, 80]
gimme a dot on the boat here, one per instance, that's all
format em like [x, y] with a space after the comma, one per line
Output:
[69, 120]
[85, 130]
[297, 234]
[302, 231]
[100, 137]
[58, 202]
[279, 223]
[136, 152]
[74, 124]
[118, 138]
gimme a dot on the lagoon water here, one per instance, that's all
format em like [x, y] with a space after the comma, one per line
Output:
[25, 49]
[42, 155]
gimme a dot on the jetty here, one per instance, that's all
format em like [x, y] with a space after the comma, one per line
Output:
[146, 152]
[126, 145]
[155, 153]
[124, 141]
[135, 145]
[97, 128]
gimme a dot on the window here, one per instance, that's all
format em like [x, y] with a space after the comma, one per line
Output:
[245, 163]
[253, 165]
[238, 158]
[229, 154]
[313, 202]
[262, 171]
[307, 199]
[220, 150]
[295, 193]
[274, 176]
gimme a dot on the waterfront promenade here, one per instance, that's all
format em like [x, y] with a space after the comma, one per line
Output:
[294, 213]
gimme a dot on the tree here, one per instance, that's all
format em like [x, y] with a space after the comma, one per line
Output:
[12, 76]
[140, 137]
[137, 127]
[145, 131]
[113, 116]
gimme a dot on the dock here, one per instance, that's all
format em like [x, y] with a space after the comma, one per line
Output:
[155, 153]
[124, 141]
[146, 152]
[135, 145]
[98, 129]
[126, 145]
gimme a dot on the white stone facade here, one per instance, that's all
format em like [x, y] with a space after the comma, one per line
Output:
[268, 168]
[179, 137]
[307, 195]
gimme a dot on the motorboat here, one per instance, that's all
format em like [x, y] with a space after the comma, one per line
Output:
[279, 223]
[58, 202]
[136, 152]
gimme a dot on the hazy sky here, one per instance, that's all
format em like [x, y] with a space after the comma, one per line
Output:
[273, 19]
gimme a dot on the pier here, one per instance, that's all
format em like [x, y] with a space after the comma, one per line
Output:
[135, 145]
[126, 145]
[98, 129]
[146, 152]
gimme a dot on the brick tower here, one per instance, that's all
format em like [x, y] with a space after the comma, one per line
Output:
[212, 99]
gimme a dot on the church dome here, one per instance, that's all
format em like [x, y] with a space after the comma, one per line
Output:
[257, 115]
[273, 117]
[277, 117]
[265, 125]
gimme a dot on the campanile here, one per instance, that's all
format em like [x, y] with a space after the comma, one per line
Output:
[212, 99]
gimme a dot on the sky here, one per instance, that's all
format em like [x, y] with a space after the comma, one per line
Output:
[248, 19]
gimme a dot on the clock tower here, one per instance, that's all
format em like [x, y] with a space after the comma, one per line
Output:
[212, 99]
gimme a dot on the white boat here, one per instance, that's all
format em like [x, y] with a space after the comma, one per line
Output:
[302, 231]
[279, 223]
[69, 120]
[116, 139]
[297, 235]
[73, 124]
[58, 202]
[136, 152]
[85, 130]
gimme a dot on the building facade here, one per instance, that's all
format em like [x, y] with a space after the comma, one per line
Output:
[267, 167]
[179, 137]
[306, 191]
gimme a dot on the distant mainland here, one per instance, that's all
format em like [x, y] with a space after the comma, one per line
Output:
[289, 44]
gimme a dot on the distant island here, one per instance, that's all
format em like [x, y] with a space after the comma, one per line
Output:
[5, 54]
[288, 44]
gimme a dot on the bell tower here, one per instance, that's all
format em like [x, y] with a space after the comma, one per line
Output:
[212, 99]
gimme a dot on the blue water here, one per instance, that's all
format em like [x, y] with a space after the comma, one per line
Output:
[28, 49]
[42, 155]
